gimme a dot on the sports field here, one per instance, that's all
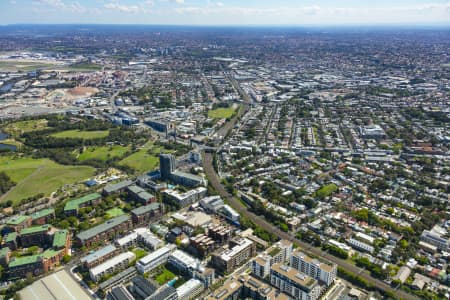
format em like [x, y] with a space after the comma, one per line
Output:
[35, 176]
[86, 135]
[103, 153]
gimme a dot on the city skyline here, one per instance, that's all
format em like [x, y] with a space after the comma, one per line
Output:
[226, 12]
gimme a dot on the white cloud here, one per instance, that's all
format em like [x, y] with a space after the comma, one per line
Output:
[143, 7]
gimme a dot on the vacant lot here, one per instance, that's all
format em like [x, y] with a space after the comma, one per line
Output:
[221, 113]
[35, 176]
[86, 135]
[103, 153]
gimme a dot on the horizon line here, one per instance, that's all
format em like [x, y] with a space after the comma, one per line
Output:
[347, 25]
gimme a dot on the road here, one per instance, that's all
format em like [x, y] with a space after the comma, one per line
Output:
[308, 249]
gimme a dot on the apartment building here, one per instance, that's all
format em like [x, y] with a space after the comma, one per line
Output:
[297, 285]
[325, 272]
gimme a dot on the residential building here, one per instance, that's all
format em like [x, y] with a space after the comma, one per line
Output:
[295, 284]
[35, 236]
[17, 223]
[72, 206]
[437, 237]
[231, 290]
[19, 267]
[99, 256]
[164, 293]
[144, 214]
[325, 272]
[138, 194]
[113, 264]
[167, 165]
[154, 259]
[358, 245]
[190, 289]
[5, 254]
[104, 231]
[43, 216]
[182, 261]
[183, 199]
[119, 293]
[116, 187]
[62, 241]
[143, 287]
[124, 276]
[252, 288]
[240, 251]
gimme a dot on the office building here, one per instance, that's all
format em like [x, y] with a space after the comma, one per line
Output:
[297, 285]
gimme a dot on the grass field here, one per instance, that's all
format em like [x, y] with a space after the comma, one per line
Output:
[221, 113]
[115, 212]
[17, 128]
[140, 253]
[143, 161]
[165, 276]
[103, 153]
[84, 67]
[35, 176]
[16, 65]
[86, 135]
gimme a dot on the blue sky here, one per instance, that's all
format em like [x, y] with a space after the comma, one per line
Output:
[227, 12]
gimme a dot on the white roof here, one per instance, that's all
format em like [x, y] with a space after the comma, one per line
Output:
[186, 289]
[228, 254]
[156, 254]
[184, 258]
[111, 263]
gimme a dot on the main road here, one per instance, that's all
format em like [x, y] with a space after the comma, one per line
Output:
[308, 249]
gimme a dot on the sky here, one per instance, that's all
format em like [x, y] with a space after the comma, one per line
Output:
[227, 12]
